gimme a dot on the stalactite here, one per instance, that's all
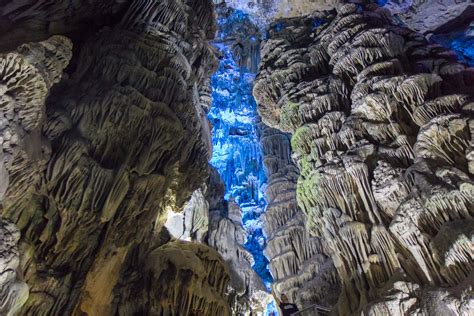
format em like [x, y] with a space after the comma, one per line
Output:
[129, 141]
[390, 171]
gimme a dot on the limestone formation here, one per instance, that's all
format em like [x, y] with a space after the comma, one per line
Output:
[298, 264]
[26, 75]
[13, 290]
[106, 207]
[36, 20]
[176, 278]
[227, 236]
[202, 294]
[129, 142]
[266, 11]
[192, 223]
[430, 17]
[382, 134]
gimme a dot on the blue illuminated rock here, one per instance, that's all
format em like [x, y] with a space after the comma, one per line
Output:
[236, 229]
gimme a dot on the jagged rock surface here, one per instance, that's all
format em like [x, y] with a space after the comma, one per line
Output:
[13, 291]
[298, 265]
[176, 278]
[193, 222]
[129, 141]
[228, 237]
[430, 17]
[265, 11]
[26, 76]
[36, 20]
[382, 134]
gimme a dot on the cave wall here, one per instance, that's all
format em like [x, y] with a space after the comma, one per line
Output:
[300, 268]
[381, 124]
[36, 20]
[125, 140]
[96, 157]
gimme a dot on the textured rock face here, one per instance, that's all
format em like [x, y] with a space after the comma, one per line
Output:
[176, 278]
[432, 16]
[193, 222]
[447, 22]
[382, 134]
[235, 228]
[13, 291]
[228, 237]
[36, 20]
[129, 141]
[201, 294]
[265, 11]
[298, 264]
[26, 75]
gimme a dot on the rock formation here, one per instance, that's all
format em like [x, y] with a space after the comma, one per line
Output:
[26, 75]
[382, 134]
[13, 291]
[299, 267]
[175, 278]
[236, 204]
[447, 22]
[431, 17]
[193, 222]
[228, 237]
[129, 141]
[266, 11]
[36, 20]
[108, 204]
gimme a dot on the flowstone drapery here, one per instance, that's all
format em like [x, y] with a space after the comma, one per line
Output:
[129, 140]
[382, 134]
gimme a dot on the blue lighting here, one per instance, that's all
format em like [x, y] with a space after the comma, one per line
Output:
[462, 43]
[279, 26]
[236, 148]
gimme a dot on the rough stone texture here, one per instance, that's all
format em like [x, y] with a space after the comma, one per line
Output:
[36, 20]
[298, 265]
[382, 134]
[176, 278]
[13, 291]
[129, 141]
[26, 75]
[193, 222]
[235, 228]
[227, 236]
[265, 11]
[430, 17]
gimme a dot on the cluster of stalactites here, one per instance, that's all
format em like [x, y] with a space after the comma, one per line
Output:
[26, 75]
[188, 279]
[298, 265]
[129, 140]
[227, 236]
[382, 134]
